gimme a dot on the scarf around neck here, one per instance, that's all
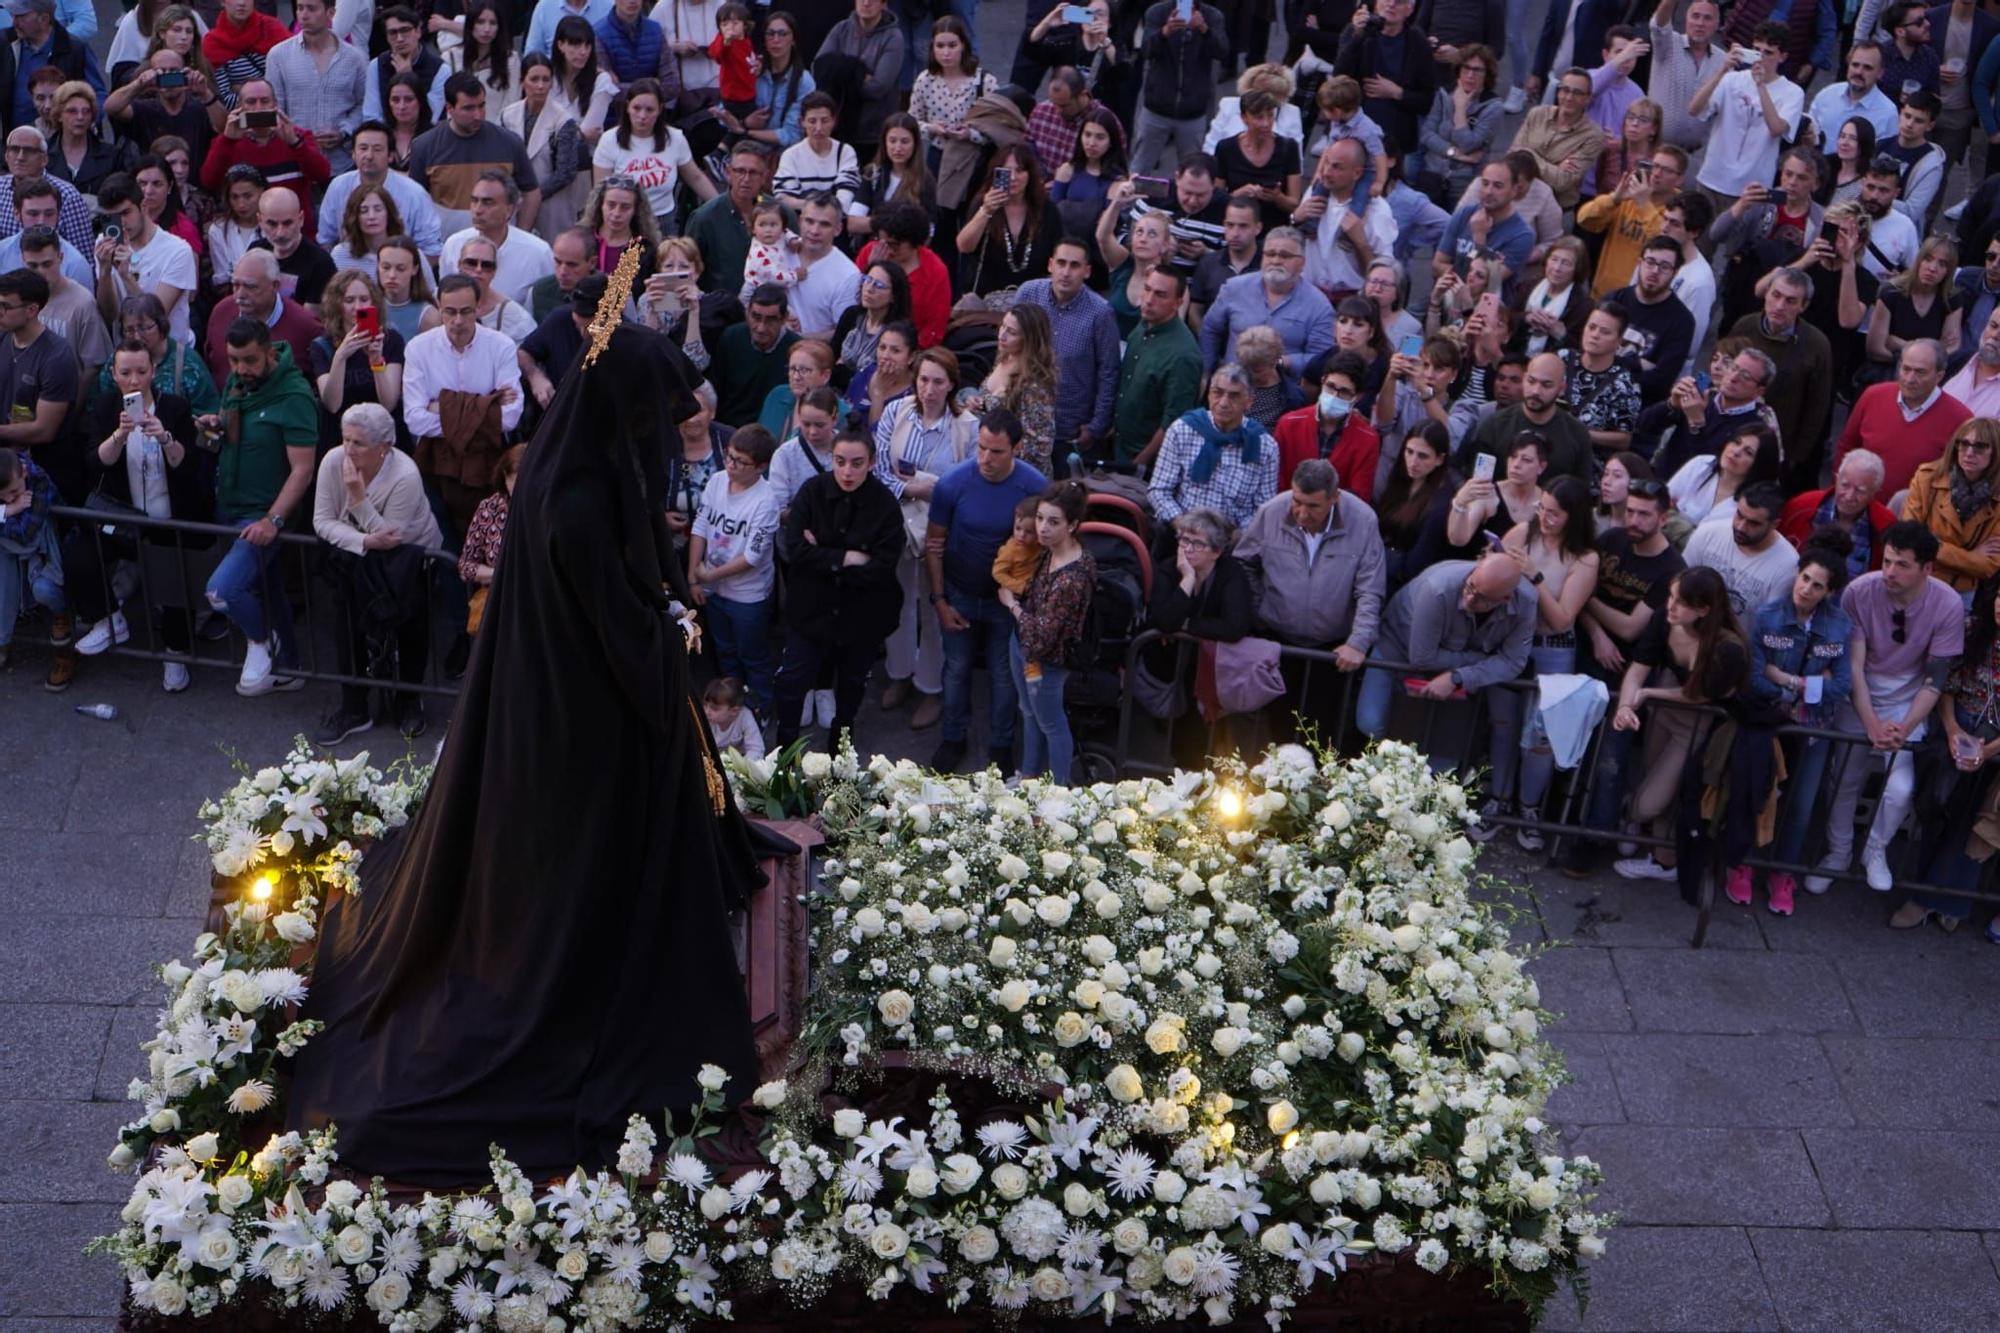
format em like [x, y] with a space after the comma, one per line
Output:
[1248, 437]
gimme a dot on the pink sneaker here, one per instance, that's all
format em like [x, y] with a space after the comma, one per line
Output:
[1738, 887]
[1781, 887]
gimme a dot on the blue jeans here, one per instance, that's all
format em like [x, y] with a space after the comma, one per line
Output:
[743, 644]
[45, 586]
[1801, 796]
[248, 588]
[1372, 700]
[1046, 743]
[991, 621]
[1607, 792]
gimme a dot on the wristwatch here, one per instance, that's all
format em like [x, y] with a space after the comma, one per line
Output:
[276, 520]
[1537, 579]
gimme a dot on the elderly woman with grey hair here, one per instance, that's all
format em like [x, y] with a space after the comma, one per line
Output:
[1216, 457]
[1208, 596]
[1273, 393]
[369, 506]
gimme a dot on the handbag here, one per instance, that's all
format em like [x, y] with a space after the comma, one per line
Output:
[1162, 699]
[1238, 677]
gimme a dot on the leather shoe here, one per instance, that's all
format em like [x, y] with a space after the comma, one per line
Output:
[930, 708]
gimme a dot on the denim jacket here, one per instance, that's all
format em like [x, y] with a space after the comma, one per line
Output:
[1815, 648]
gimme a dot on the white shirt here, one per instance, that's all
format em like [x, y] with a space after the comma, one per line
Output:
[1753, 577]
[431, 365]
[164, 259]
[657, 170]
[1693, 491]
[830, 285]
[1832, 107]
[1741, 147]
[1330, 265]
[739, 524]
[524, 260]
[1896, 237]
[1227, 123]
[1695, 285]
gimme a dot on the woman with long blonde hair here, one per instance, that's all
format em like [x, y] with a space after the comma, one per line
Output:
[350, 363]
[1919, 302]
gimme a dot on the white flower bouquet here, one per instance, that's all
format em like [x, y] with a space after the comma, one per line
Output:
[1157, 1050]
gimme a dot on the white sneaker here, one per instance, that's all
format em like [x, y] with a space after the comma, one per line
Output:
[256, 677]
[1875, 861]
[1626, 847]
[822, 701]
[174, 678]
[1644, 867]
[1530, 840]
[1516, 101]
[103, 634]
[1831, 862]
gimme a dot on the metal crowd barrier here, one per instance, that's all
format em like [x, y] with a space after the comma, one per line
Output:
[164, 564]
[1145, 746]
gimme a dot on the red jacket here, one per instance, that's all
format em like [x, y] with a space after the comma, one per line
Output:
[1795, 523]
[1354, 454]
[930, 294]
[297, 167]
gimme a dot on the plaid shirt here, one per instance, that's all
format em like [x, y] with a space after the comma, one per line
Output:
[1235, 489]
[72, 218]
[1053, 138]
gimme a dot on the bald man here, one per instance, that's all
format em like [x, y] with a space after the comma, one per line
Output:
[1540, 410]
[1459, 626]
[304, 268]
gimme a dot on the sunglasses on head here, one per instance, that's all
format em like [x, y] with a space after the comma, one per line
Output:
[1647, 489]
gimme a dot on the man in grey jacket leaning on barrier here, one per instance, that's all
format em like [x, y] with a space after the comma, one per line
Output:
[1464, 624]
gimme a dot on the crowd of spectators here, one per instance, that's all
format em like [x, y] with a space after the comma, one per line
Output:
[1661, 354]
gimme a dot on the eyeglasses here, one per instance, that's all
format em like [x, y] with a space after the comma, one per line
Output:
[877, 284]
[1571, 90]
[27, 148]
[1659, 265]
[1195, 543]
[1899, 626]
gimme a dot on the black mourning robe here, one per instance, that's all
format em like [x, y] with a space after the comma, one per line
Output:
[545, 949]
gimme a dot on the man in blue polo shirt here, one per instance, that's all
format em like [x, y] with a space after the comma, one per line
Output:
[972, 514]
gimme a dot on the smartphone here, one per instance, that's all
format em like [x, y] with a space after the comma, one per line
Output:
[1184, 10]
[1702, 381]
[1003, 178]
[1746, 56]
[1150, 187]
[1075, 14]
[1488, 305]
[172, 78]
[260, 120]
[1829, 231]
[113, 232]
[1482, 467]
[369, 320]
[135, 405]
[1643, 168]
[1413, 345]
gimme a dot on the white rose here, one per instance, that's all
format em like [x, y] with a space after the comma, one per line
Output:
[1124, 1083]
[1155, 896]
[1168, 1187]
[167, 1296]
[1336, 815]
[848, 1122]
[164, 1121]
[1589, 1248]
[1407, 938]
[1088, 993]
[1052, 908]
[1227, 1041]
[389, 1292]
[1325, 1189]
[353, 1245]
[1001, 951]
[1116, 1008]
[1010, 1180]
[215, 1248]
[292, 927]
[896, 1007]
[343, 1193]
[659, 1247]
[203, 1147]
[1012, 869]
[1049, 1284]
[979, 1244]
[1542, 1195]
[1151, 961]
[121, 1158]
[1325, 1146]
[712, 1077]
[1498, 1037]
[1109, 906]
[816, 764]
[1144, 1272]
[1163, 1037]
[573, 1264]
[1129, 1236]
[1367, 1192]
[1070, 1029]
[888, 1241]
[232, 1192]
[921, 1182]
[1281, 1116]
[1057, 863]
[1277, 1241]
[769, 1096]
[1350, 1047]
[1014, 996]
[1077, 1199]
[1180, 1265]
[869, 922]
[241, 990]
[715, 1201]
[961, 1172]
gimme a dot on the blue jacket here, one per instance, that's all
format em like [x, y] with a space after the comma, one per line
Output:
[1818, 648]
[634, 54]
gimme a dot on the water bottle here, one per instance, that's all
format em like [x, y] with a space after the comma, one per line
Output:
[102, 712]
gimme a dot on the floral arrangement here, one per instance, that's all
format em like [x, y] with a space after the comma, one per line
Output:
[1189, 1047]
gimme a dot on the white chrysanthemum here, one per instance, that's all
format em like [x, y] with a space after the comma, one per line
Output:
[1002, 1139]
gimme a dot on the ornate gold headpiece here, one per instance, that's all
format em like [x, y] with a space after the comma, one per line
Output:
[611, 309]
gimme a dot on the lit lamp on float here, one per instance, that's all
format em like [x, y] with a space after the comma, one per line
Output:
[1229, 804]
[262, 888]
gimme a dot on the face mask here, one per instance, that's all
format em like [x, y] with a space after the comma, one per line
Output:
[1333, 407]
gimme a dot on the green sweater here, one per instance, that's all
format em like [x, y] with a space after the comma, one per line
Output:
[277, 411]
[1158, 382]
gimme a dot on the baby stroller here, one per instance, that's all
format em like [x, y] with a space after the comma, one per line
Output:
[1114, 531]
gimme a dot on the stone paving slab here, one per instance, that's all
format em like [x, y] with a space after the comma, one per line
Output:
[1904, 1083]
[1694, 1278]
[123, 1061]
[1732, 992]
[44, 1272]
[111, 961]
[1624, 913]
[1591, 1096]
[1908, 1178]
[56, 1152]
[1924, 984]
[1672, 1176]
[89, 874]
[1581, 985]
[1916, 1280]
[1674, 1079]
[51, 1050]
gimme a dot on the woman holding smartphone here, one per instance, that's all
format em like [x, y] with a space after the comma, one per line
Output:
[357, 359]
[674, 303]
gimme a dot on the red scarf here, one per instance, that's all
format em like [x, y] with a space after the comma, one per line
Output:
[225, 41]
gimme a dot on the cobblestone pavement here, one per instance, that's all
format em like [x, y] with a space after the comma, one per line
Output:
[1796, 1122]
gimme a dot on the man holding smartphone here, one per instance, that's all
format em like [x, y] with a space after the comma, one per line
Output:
[1183, 42]
[166, 97]
[258, 134]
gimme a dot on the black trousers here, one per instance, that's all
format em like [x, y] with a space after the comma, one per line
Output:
[799, 671]
[388, 653]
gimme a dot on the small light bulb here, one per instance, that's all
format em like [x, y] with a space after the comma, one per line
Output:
[262, 889]
[1229, 802]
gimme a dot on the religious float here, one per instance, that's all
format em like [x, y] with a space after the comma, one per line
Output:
[1238, 1049]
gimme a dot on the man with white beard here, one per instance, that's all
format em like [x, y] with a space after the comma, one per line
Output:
[1977, 384]
[1275, 296]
